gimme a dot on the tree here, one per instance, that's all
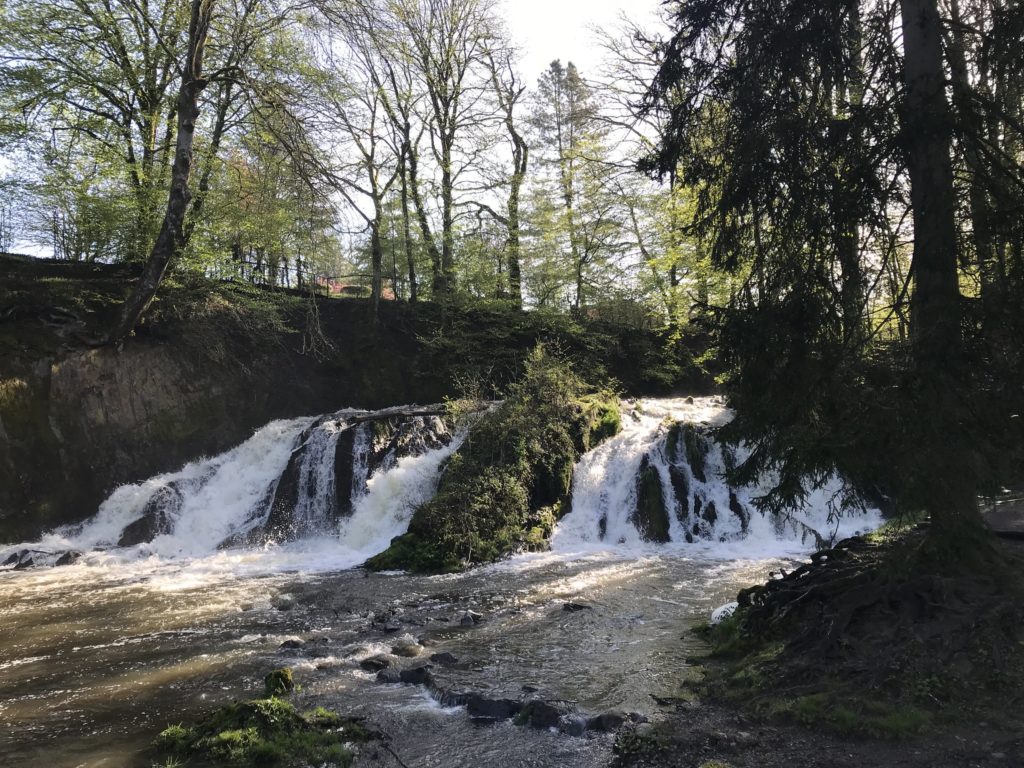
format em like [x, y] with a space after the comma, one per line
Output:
[815, 146]
[171, 238]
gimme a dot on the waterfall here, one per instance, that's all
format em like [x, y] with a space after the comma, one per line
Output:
[661, 481]
[352, 475]
[352, 479]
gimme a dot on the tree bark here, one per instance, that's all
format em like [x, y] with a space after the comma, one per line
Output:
[171, 238]
[936, 336]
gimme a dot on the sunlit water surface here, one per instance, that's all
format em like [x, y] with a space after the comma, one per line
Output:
[96, 659]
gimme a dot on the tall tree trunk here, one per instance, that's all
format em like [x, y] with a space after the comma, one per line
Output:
[407, 229]
[444, 286]
[949, 495]
[171, 238]
[421, 213]
[927, 125]
[850, 91]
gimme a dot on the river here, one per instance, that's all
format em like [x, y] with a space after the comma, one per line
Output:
[99, 656]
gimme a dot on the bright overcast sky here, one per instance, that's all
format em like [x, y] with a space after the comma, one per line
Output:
[560, 29]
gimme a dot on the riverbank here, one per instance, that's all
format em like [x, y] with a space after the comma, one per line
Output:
[925, 669]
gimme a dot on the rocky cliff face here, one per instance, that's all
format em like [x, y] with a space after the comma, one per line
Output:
[214, 361]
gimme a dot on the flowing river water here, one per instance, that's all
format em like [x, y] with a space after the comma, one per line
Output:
[98, 656]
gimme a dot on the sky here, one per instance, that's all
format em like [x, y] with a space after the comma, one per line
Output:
[559, 29]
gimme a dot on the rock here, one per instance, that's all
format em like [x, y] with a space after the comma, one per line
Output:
[291, 644]
[445, 659]
[722, 612]
[574, 726]
[279, 683]
[13, 559]
[539, 714]
[375, 663]
[482, 708]
[572, 607]
[689, 401]
[417, 676]
[25, 562]
[650, 516]
[389, 675]
[392, 625]
[470, 618]
[449, 698]
[739, 510]
[608, 722]
[283, 602]
[428, 642]
[407, 649]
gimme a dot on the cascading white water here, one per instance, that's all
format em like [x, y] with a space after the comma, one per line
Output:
[605, 492]
[354, 487]
[218, 497]
[228, 499]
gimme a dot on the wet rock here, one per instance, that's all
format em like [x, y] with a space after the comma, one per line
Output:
[482, 708]
[375, 663]
[407, 649]
[574, 726]
[24, 563]
[445, 659]
[446, 697]
[689, 401]
[607, 722]
[417, 676]
[13, 559]
[156, 517]
[389, 675]
[470, 618]
[572, 607]
[539, 714]
[69, 558]
[291, 644]
[739, 510]
[650, 516]
[283, 602]
[681, 488]
[391, 626]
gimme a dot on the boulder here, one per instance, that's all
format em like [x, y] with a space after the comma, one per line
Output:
[482, 708]
[407, 649]
[470, 618]
[572, 607]
[375, 663]
[445, 659]
[68, 558]
[417, 676]
[650, 516]
[608, 722]
[539, 714]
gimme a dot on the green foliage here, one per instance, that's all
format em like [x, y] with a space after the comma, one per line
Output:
[279, 683]
[509, 481]
[264, 732]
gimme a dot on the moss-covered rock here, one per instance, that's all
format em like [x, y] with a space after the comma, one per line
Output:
[279, 682]
[264, 732]
[509, 482]
[650, 516]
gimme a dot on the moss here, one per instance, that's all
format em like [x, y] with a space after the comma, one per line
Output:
[505, 487]
[651, 516]
[279, 683]
[262, 732]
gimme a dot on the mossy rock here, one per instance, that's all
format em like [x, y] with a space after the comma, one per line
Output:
[650, 516]
[279, 683]
[265, 732]
[508, 483]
